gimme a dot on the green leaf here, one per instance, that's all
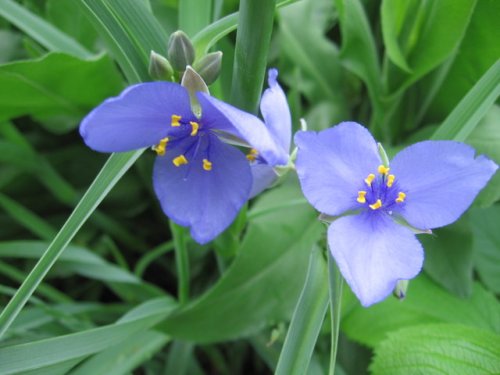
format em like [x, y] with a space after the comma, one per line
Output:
[112, 171]
[485, 138]
[487, 245]
[130, 32]
[27, 218]
[462, 121]
[359, 52]
[448, 257]
[310, 50]
[478, 51]
[420, 35]
[425, 303]
[258, 288]
[48, 352]
[307, 319]
[437, 349]
[38, 88]
[125, 356]
[192, 22]
[41, 31]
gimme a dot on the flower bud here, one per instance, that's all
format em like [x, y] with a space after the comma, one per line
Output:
[180, 51]
[159, 67]
[401, 289]
[209, 67]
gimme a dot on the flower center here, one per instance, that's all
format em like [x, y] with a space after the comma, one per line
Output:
[179, 136]
[382, 190]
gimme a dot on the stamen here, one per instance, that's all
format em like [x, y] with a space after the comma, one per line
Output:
[175, 120]
[361, 196]
[194, 126]
[376, 205]
[180, 160]
[383, 169]
[252, 155]
[401, 197]
[370, 179]
[207, 165]
[161, 147]
[390, 180]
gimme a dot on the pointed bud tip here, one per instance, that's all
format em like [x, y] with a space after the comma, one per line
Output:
[159, 67]
[209, 67]
[180, 50]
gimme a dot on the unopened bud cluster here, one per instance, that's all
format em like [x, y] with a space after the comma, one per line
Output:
[180, 55]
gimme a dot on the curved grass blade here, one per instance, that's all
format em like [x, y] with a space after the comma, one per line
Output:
[113, 170]
[41, 31]
[48, 352]
[307, 319]
[472, 108]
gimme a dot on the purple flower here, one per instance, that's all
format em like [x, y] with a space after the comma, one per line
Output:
[276, 114]
[201, 182]
[427, 185]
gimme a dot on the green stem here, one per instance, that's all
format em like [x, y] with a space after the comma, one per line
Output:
[181, 261]
[152, 255]
[255, 26]
[336, 282]
[307, 319]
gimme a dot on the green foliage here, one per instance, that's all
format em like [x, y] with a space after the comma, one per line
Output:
[437, 349]
[39, 89]
[87, 290]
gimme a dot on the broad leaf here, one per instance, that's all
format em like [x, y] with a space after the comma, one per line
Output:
[437, 349]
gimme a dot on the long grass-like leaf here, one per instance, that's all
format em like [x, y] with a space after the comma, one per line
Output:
[471, 109]
[307, 319]
[48, 352]
[112, 171]
[40, 30]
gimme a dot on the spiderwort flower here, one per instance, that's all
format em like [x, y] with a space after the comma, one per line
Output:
[276, 113]
[427, 185]
[200, 181]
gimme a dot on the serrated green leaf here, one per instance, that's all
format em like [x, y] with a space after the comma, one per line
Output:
[38, 88]
[438, 349]
[425, 303]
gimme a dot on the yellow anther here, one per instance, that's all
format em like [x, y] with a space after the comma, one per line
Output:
[175, 120]
[390, 180]
[370, 179]
[361, 196]
[207, 165]
[376, 205]
[161, 147]
[383, 169]
[194, 126]
[180, 160]
[401, 197]
[252, 155]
